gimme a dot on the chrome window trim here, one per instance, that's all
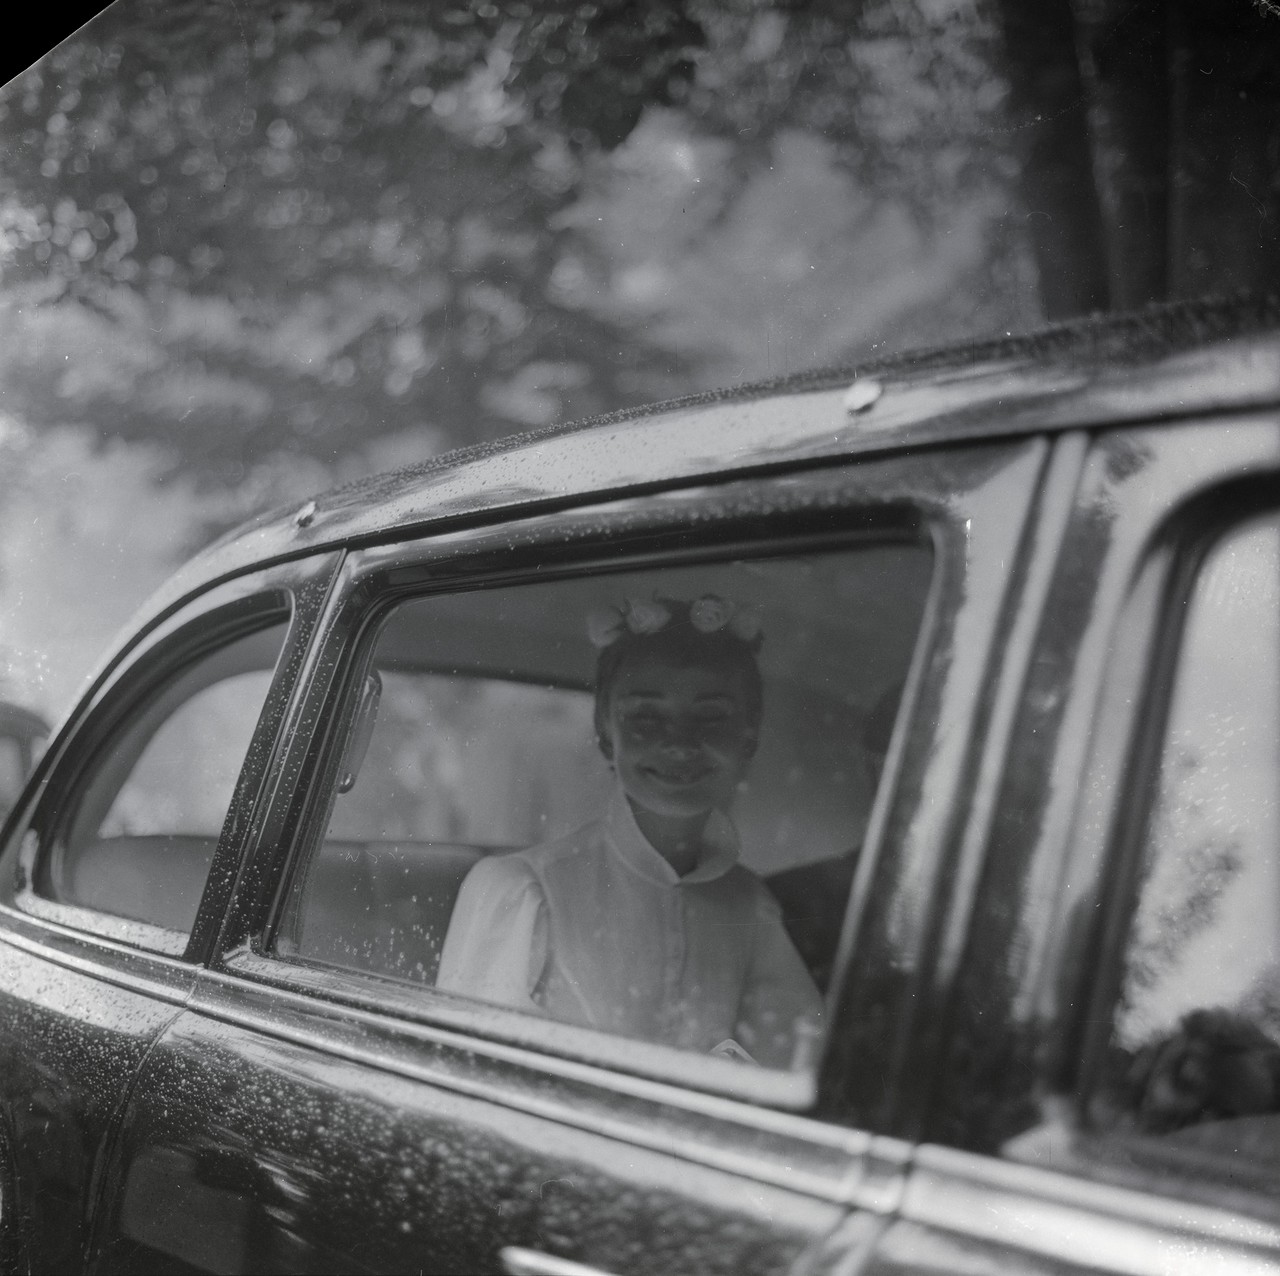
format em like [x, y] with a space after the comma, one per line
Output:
[162, 976]
[1059, 1215]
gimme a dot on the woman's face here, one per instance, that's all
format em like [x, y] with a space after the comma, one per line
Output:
[679, 735]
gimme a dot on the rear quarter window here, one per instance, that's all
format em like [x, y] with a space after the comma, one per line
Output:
[1195, 1045]
[1183, 1084]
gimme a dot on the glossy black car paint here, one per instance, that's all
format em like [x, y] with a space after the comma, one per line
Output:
[219, 1109]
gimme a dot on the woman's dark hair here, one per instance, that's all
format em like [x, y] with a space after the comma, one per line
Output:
[680, 643]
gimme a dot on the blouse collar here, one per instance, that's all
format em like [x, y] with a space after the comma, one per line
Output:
[716, 856]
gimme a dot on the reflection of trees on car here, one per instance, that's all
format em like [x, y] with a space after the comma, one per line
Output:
[1200, 862]
[1215, 1066]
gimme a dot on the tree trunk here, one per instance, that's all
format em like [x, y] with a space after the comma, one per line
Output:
[1125, 58]
[1049, 104]
[1226, 149]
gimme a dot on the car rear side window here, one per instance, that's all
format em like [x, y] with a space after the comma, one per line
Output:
[631, 802]
[1188, 1082]
[1196, 1035]
[135, 834]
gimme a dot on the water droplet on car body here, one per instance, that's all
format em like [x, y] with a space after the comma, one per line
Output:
[862, 395]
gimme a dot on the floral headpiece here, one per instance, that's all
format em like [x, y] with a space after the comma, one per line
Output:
[709, 614]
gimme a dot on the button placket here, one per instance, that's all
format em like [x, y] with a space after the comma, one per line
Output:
[673, 955]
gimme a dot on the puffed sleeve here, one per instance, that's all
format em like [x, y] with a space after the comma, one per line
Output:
[496, 945]
[781, 1008]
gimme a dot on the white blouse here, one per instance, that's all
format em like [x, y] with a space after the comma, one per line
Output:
[597, 929]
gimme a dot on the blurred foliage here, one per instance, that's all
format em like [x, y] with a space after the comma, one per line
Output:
[252, 229]
[1201, 869]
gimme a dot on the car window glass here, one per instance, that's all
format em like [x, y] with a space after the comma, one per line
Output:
[137, 835]
[670, 860]
[1196, 1036]
[1189, 1083]
[164, 793]
[455, 758]
[1207, 928]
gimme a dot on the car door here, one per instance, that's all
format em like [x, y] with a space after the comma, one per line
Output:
[1108, 1019]
[108, 894]
[320, 1105]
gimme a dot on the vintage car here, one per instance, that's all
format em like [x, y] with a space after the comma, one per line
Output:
[1013, 798]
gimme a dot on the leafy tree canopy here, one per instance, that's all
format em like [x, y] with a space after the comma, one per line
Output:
[247, 229]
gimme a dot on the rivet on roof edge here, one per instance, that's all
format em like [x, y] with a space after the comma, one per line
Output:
[306, 515]
[862, 394]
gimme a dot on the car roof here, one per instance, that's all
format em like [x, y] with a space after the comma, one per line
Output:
[1165, 362]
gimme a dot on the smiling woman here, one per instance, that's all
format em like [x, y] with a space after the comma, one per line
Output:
[678, 703]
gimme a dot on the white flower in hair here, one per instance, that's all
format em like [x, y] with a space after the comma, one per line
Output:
[709, 613]
[646, 617]
[604, 627]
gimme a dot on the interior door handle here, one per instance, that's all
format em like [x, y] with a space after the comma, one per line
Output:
[517, 1261]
